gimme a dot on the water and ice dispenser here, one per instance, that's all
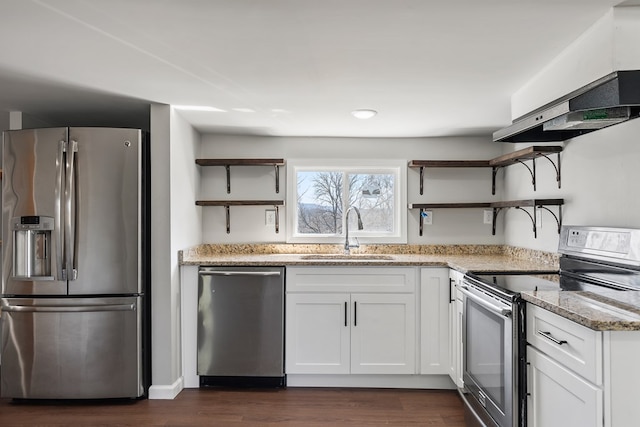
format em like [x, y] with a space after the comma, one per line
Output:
[32, 247]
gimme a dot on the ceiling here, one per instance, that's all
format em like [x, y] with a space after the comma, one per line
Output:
[286, 67]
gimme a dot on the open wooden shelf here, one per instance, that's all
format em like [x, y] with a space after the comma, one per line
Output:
[240, 162]
[227, 163]
[240, 202]
[449, 163]
[497, 207]
[520, 156]
[528, 153]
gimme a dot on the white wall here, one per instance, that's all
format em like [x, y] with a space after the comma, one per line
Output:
[441, 185]
[600, 183]
[4, 121]
[611, 44]
[599, 170]
[163, 297]
[175, 225]
[186, 218]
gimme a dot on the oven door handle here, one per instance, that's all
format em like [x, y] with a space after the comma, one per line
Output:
[506, 312]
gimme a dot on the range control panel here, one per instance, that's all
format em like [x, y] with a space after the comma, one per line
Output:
[616, 244]
[608, 241]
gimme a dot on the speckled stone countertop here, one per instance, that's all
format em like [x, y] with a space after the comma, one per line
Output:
[606, 310]
[464, 258]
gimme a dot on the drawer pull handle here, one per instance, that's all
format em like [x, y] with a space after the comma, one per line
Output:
[550, 337]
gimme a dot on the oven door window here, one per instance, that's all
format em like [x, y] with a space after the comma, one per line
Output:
[488, 361]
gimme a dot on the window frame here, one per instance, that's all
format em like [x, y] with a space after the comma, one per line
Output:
[390, 166]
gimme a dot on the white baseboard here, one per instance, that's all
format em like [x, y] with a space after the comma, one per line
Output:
[442, 382]
[167, 392]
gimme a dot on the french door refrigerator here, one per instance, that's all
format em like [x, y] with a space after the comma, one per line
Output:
[74, 264]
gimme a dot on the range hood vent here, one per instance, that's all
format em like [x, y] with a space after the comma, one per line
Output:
[607, 101]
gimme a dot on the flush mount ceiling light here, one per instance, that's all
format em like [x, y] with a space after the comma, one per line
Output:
[364, 113]
[198, 108]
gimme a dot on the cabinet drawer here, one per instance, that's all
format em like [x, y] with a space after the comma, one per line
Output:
[576, 347]
[351, 279]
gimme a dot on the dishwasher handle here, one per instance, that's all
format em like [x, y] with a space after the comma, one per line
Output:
[237, 273]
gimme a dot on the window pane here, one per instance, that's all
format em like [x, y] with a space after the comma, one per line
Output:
[373, 194]
[319, 202]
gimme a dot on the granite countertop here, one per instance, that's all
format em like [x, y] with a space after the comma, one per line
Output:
[604, 310]
[463, 258]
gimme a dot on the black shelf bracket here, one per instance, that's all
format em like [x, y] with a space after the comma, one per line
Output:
[496, 211]
[558, 217]
[228, 168]
[494, 172]
[556, 166]
[421, 187]
[533, 217]
[532, 171]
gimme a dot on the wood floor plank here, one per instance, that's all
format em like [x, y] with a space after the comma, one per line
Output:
[308, 407]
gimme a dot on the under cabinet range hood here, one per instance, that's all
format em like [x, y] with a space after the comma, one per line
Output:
[612, 99]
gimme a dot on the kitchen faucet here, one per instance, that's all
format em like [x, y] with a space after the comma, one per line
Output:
[347, 245]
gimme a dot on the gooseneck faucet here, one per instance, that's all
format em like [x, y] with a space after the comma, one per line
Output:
[347, 245]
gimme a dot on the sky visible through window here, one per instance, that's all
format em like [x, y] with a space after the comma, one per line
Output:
[321, 200]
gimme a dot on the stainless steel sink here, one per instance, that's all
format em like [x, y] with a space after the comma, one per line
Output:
[358, 257]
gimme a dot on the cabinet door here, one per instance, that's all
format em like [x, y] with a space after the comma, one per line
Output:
[460, 343]
[434, 321]
[383, 334]
[455, 329]
[317, 334]
[557, 396]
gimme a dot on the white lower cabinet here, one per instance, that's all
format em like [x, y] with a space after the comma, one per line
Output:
[454, 305]
[318, 334]
[350, 333]
[353, 332]
[434, 321]
[383, 334]
[580, 377]
[558, 397]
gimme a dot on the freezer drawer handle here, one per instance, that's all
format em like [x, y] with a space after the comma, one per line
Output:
[238, 273]
[68, 309]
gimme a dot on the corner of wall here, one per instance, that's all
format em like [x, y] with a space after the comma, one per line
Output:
[588, 58]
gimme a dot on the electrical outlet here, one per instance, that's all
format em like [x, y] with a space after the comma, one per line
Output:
[427, 217]
[488, 216]
[270, 217]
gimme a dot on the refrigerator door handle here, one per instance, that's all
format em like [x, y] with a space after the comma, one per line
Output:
[68, 309]
[57, 234]
[71, 272]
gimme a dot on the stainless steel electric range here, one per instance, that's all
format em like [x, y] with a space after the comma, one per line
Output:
[594, 259]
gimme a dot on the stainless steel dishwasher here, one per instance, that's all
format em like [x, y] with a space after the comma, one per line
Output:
[241, 326]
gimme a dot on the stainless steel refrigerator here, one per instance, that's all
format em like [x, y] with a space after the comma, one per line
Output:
[74, 264]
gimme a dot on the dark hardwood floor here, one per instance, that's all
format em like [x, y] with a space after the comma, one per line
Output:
[306, 407]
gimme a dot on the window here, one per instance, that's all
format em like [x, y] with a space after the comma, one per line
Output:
[320, 193]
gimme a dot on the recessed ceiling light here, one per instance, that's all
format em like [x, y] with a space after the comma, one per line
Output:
[364, 113]
[198, 108]
[244, 110]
